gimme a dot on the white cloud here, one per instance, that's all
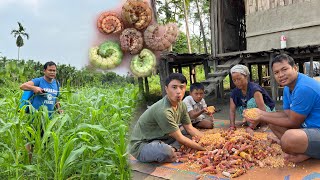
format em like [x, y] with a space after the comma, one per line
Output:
[32, 5]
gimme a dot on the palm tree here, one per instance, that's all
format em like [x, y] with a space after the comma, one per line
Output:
[18, 34]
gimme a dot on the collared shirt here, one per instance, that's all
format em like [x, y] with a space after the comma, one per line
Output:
[197, 106]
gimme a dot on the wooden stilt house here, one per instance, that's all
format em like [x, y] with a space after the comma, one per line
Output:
[248, 32]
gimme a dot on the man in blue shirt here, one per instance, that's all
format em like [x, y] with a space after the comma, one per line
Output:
[46, 91]
[46, 88]
[298, 126]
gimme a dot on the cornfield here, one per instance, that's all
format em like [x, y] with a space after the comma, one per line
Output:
[87, 141]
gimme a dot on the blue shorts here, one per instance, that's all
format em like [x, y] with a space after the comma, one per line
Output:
[313, 149]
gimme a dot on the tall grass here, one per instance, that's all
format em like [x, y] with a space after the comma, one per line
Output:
[87, 141]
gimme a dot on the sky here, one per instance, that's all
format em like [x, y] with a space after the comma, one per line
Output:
[60, 30]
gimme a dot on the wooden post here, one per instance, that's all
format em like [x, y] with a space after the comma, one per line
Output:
[214, 27]
[192, 72]
[260, 74]
[273, 83]
[206, 67]
[164, 73]
[214, 6]
[140, 82]
[311, 67]
[169, 68]
[146, 86]
[179, 68]
[300, 66]
[221, 90]
[232, 85]
[250, 70]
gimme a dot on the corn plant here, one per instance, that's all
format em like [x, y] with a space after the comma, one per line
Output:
[87, 141]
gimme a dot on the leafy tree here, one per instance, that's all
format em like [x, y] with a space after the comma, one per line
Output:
[185, 11]
[186, 5]
[180, 44]
[201, 27]
[18, 34]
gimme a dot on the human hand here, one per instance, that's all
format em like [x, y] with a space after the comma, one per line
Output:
[211, 110]
[38, 90]
[250, 131]
[175, 155]
[252, 115]
[60, 111]
[196, 138]
[205, 110]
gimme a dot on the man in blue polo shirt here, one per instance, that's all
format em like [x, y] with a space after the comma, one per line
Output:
[298, 126]
[46, 88]
[46, 91]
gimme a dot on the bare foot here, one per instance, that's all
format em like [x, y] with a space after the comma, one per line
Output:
[295, 158]
[274, 139]
[264, 128]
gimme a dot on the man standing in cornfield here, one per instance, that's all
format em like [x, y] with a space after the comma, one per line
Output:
[45, 91]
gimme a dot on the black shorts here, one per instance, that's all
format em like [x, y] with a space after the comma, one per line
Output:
[313, 149]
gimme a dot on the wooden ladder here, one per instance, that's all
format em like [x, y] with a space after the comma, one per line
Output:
[215, 79]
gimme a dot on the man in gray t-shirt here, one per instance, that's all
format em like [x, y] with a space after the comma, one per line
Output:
[156, 135]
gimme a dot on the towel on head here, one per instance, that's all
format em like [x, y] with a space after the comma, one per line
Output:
[239, 68]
